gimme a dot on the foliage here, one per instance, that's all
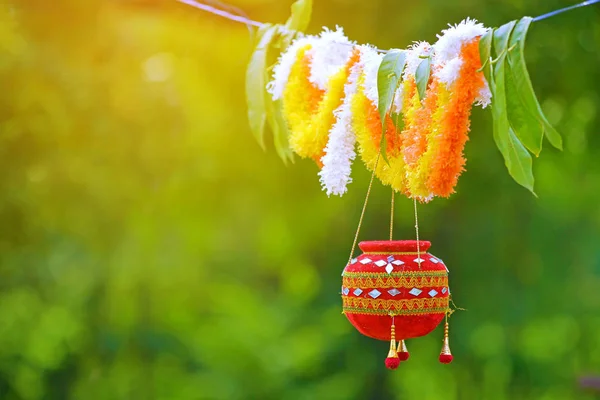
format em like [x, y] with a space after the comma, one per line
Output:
[388, 79]
[519, 123]
[149, 249]
[256, 81]
[261, 107]
[422, 76]
[389, 75]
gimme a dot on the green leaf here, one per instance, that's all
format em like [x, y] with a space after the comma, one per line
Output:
[516, 157]
[256, 95]
[388, 78]
[526, 126]
[383, 148]
[485, 53]
[300, 18]
[280, 130]
[501, 36]
[552, 134]
[518, 67]
[398, 121]
[286, 37]
[422, 76]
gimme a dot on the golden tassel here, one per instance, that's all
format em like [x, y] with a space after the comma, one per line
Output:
[445, 354]
[392, 361]
[402, 351]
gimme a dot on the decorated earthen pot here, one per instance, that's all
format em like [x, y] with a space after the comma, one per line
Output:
[395, 290]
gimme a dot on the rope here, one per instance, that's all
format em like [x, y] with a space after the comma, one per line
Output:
[221, 13]
[392, 217]
[258, 24]
[362, 214]
[417, 232]
[562, 10]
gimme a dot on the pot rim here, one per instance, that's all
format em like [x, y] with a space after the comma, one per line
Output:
[393, 246]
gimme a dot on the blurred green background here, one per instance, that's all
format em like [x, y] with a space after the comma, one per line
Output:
[149, 249]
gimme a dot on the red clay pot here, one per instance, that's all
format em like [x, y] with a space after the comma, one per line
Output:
[387, 280]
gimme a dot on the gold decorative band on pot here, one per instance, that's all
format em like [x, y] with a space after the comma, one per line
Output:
[384, 280]
[363, 305]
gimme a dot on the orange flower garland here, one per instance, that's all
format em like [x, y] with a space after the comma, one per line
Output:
[416, 141]
[433, 138]
[367, 125]
[447, 158]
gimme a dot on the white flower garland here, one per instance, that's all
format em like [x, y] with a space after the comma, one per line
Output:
[339, 152]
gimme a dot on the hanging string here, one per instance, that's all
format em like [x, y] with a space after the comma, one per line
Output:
[221, 13]
[249, 22]
[238, 18]
[417, 232]
[392, 217]
[362, 214]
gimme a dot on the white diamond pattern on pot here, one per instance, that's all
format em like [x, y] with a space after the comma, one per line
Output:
[394, 292]
[432, 292]
[380, 263]
[374, 293]
[365, 261]
[389, 268]
[415, 292]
